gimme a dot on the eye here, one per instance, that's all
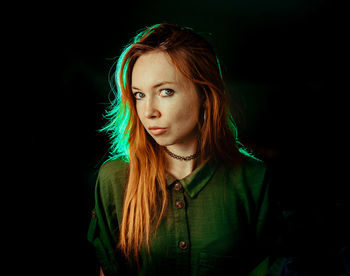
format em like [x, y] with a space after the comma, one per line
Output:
[167, 92]
[141, 95]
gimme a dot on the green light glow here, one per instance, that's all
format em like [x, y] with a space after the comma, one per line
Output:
[146, 32]
[217, 60]
[118, 113]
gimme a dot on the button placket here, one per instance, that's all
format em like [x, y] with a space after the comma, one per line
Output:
[179, 203]
[181, 225]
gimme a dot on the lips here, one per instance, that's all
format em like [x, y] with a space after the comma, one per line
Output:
[157, 130]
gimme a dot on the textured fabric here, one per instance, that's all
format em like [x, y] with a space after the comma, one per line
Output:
[218, 220]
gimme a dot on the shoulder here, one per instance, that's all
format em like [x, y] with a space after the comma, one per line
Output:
[113, 168]
[247, 175]
[254, 169]
[247, 167]
[112, 176]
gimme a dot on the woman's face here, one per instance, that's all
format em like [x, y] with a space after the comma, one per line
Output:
[165, 99]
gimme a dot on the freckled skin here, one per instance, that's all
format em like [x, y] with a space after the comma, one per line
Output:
[178, 112]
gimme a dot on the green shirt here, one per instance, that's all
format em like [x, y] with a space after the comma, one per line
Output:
[217, 220]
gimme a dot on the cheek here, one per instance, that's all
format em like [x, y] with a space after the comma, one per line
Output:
[186, 116]
[139, 114]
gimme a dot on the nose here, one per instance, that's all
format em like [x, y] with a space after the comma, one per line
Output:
[151, 111]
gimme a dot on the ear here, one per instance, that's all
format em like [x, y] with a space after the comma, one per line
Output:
[202, 96]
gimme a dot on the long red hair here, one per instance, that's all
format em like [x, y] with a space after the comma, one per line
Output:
[145, 199]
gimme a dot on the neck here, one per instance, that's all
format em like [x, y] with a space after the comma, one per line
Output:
[179, 168]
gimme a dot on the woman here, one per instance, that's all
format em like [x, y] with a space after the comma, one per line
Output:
[179, 195]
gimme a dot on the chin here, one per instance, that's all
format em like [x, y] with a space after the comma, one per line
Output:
[163, 142]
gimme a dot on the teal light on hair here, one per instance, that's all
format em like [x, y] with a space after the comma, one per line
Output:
[118, 113]
[146, 32]
[241, 148]
[233, 126]
[217, 60]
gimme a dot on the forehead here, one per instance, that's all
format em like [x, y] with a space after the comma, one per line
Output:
[154, 67]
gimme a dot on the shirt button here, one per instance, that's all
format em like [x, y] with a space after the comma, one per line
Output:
[179, 204]
[177, 186]
[183, 245]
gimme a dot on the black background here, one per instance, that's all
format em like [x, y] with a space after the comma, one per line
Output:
[283, 61]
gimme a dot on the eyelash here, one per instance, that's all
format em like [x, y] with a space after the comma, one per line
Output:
[136, 94]
[168, 89]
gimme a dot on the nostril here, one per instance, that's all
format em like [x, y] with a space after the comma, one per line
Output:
[152, 113]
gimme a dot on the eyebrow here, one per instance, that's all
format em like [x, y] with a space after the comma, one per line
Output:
[156, 85]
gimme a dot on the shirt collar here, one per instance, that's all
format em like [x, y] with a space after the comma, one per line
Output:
[196, 181]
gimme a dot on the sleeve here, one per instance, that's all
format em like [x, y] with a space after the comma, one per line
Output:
[103, 238]
[267, 221]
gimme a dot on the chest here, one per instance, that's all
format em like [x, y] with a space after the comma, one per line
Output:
[214, 222]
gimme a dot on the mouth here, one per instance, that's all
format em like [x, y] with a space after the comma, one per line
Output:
[157, 131]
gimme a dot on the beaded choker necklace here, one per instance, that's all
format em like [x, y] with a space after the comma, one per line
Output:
[183, 158]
